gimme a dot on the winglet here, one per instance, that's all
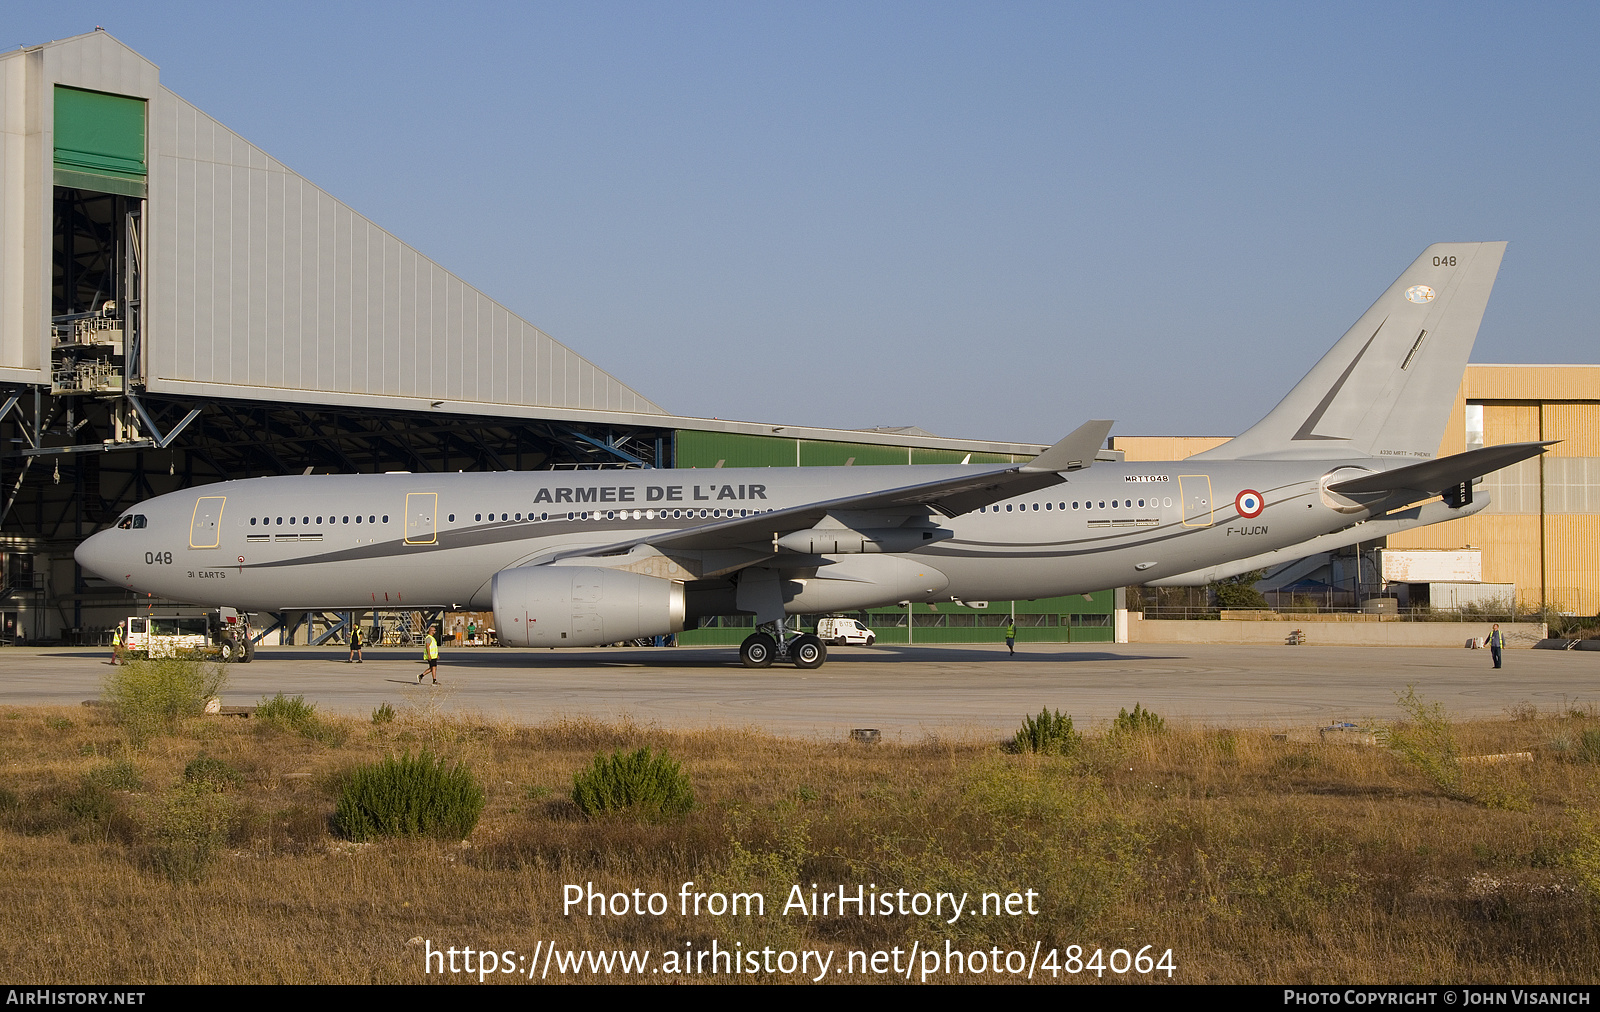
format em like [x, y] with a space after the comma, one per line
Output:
[1076, 451]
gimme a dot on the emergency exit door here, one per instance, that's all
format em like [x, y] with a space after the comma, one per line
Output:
[1196, 492]
[422, 513]
[205, 526]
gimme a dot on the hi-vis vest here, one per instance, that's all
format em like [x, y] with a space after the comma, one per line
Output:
[431, 652]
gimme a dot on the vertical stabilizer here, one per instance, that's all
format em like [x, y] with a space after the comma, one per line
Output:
[1387, 387]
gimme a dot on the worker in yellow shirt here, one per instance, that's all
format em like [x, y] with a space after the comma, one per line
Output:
[430, 653]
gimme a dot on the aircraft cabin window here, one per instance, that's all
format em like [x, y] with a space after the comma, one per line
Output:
[544, 516]
[346, 519]
[319, 521]
[1036, 507]
[452, 518]
[1102, 505]
[291, 521]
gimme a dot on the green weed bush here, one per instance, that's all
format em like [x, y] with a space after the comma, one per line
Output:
[1140, 721]
[152, 696]
[288, 714]
[1588, 746]
[117, 775]
[1047, 734]
[383, 714]
[1427, 743]
[650, 786]
[209, 771]
[299, 717]
[409, 796]
[190, 832]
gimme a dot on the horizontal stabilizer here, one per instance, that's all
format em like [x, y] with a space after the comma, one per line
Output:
[1435, 476]
[1074, 452]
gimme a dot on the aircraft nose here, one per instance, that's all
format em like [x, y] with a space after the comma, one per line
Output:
[98, 555]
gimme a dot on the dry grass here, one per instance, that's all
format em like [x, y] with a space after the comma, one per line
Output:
[1252, 859]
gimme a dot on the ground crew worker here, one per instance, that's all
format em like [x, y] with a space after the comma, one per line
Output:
[116, 644]
[1011, 636]
[355, 646]
[1496, 643]
[430, 653]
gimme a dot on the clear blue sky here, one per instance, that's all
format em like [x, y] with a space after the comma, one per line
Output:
[990, 220]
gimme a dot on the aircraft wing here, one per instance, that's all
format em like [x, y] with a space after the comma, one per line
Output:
[948, 496]
[1434, 476]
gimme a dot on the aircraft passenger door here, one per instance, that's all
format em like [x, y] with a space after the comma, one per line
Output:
[422, 511]
[1195, 489]
[205, 526]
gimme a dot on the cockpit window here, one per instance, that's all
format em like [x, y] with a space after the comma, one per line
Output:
[138, 521]
[132, 520]
[125, 523]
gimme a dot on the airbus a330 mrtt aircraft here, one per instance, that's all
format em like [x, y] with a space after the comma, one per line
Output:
[586, 558]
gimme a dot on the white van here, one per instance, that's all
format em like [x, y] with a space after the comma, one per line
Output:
[845, 632]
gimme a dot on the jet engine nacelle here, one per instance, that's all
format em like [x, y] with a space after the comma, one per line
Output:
[843, 541]
[583, 606]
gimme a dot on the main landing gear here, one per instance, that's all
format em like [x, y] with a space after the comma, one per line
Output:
[760, 649]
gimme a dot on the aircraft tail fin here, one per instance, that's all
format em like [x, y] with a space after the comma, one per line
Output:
[1386, 389]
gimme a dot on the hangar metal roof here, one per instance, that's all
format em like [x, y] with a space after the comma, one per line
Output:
[261, 286]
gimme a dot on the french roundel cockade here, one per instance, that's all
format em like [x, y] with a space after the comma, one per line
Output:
[1249, 503]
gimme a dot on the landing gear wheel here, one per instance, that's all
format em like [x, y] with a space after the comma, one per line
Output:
[807, 651]
[757, 650]
[229, 649]
[247, 651]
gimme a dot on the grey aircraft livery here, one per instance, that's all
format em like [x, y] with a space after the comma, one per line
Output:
[587, 558]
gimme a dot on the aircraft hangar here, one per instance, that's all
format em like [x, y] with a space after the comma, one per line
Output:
[177, 307]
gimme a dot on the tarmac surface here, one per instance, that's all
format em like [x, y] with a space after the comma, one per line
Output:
[906, 692]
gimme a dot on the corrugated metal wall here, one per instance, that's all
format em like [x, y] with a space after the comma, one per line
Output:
[258, 278]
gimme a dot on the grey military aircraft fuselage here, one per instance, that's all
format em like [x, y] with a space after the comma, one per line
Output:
[584, 558]
[416, 540]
